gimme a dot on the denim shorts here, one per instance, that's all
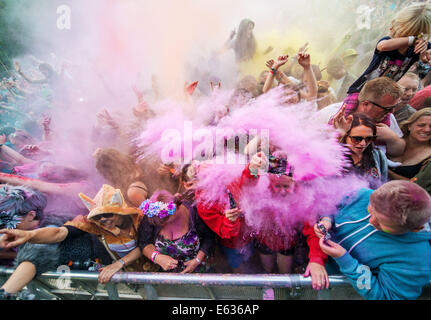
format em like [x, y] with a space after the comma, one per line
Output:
[236, 257]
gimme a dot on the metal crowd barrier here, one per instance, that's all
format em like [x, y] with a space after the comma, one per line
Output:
[164, 286]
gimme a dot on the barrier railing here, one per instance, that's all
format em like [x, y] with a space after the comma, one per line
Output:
[206, 279]
[149, 285]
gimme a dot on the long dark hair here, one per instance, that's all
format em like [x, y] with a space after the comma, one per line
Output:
[361, 119]
[245, 47]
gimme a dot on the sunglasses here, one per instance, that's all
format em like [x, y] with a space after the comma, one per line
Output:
[387, 109]
[358, 139]
[104, 215]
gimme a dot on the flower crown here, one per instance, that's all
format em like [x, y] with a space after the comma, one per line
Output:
[157, 209]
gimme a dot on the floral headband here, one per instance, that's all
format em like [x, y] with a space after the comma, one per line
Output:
[157, 209]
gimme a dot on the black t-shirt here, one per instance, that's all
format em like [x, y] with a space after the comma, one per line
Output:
[391, 64]
[80, 246]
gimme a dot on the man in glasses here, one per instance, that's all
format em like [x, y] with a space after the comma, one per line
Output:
[377, 99]
[381, 241]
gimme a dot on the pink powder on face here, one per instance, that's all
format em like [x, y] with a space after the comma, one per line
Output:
[312, 150]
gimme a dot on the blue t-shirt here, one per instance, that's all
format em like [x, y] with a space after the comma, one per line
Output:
[391, 64]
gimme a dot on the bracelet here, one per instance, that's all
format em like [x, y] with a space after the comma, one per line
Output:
[273, 71]
[411, 40]
[154, 255]
[122, 262]
[197, 259]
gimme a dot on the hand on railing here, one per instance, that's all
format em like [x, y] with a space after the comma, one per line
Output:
[319, 276]
[107, 272]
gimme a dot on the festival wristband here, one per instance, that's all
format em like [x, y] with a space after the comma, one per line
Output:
[154, 255]
[273, 71]
[197, 259]
[411, 40]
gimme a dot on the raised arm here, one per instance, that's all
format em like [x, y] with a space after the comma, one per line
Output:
[389, 282]
[395, 145]
[15, 238]
[42, 186]
[393, 44]
[37, 81]
[419, 43]
[12, 154]
[107, 272]
[309, 77]
[274, 66]
[294, 59]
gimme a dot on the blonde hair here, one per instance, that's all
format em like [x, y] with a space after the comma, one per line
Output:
[411, 75]
[376, 89]
[426, 112]
[412, 21]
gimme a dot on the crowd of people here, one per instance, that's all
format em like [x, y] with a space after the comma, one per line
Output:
[130, 212]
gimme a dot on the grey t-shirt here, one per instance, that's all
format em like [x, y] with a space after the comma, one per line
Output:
[404, 113]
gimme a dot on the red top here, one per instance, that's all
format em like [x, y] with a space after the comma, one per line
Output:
[316, 254]
[232, 234]
[418, 100]
[236, 235]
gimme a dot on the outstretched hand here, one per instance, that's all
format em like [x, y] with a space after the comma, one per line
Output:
[139, 94]
[233, 214]
[105, 117]
[317, 231]
[281, 61]
[214, 86]
[259, 161]
[304, 60]
[13, 238]
[421, 46]
[190, 265]
[425, 56]
[342, 123]
[46, 122]
[17, 66]
[166, 262]
[270, 63]
[331, 248]
[303, 49]
[319, 276]
[107, 272]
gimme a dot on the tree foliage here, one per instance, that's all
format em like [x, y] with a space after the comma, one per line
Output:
[14, 35]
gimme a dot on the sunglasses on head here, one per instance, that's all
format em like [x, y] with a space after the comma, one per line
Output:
[387, 109]
[358, 139]
[104, 215]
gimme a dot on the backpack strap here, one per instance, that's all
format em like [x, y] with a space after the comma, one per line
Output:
[113, 255]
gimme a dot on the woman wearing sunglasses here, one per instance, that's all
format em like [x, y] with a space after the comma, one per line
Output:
[415, 163]
[365, 158]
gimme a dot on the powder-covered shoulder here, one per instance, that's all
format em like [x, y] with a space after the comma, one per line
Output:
[354, 196]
